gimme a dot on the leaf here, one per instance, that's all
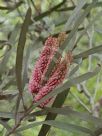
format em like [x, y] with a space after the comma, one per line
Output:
[9, 115]
[91, 51]
[89, 25]
[19, 57]
[26, 59]
[20, 49]
[69, 127]
[5, 59]
[64, 126]
[75, 13]
[79, 20]
[67, 111]
[73, 71]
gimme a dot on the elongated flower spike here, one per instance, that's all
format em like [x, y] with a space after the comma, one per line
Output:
[41, 64]
[61, 38]
[56, 79]
[38, 75]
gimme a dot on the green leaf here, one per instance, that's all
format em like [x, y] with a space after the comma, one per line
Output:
[5, 59]
[89, 25]
[67, 111]
[91, 51]
[64, 126]
[25, 70]
[19, 57]
[9, 115]
[20, 49]
[69, 127]
[79, 20]
[76, 12]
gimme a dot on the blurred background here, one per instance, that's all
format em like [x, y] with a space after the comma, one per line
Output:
[49, 17]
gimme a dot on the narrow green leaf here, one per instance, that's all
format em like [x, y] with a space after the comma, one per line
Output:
[20, 49]
[79, 20]
[73, 71]
[25, 69]
[19, 56]
[91, 51]
[89, 25]
[64, 126]
[9, 115]
[67, 111]
[69, 127]
[74, 14]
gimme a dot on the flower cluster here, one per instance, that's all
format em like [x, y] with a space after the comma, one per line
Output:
[58, 73]
[42, 64]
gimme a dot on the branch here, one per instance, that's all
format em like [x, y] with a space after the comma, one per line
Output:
[11, 7]
[46, 13]
[73, 7]
[7, 96]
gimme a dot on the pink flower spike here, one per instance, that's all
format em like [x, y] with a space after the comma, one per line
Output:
[41, 64]
[56, 79]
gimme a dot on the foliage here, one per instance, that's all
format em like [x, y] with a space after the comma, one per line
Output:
[25, 25]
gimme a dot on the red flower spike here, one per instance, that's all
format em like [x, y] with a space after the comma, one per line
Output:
[56, 79]
[61, 38]
[41, 64]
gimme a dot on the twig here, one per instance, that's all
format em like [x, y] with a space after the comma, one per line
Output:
[56, 34]
[46, 13]
[19, 121]
[81, 102]
[84, 90]
[35, 7]
[73, 7]
[12, 7]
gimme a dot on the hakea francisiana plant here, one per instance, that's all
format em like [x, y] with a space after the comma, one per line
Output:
[58, 73]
